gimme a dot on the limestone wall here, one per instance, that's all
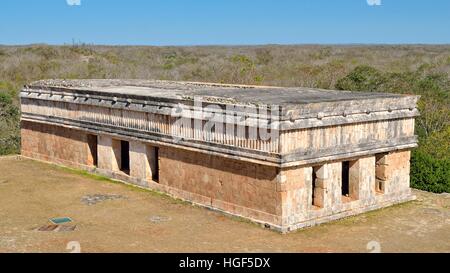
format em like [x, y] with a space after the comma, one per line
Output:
[238, 187]
[313, 194]
[55, 144]
[285, 198]
[393, 171]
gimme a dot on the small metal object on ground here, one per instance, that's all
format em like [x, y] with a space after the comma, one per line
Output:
[47, 228]
[159, 219]
[56, 228]
[61, 220]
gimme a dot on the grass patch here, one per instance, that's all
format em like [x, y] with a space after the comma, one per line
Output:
[86, 174]
[102, 178]
[355, 219]
[232, 217]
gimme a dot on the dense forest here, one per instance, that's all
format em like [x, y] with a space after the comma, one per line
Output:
[422, 70]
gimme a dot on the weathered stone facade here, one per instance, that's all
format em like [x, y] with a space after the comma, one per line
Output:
[331, 154]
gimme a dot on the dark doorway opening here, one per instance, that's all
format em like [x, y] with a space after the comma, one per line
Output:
[125, 156]
[380, 172]
[314, 177]
[92, 144]
[346, 178]
[155, 173]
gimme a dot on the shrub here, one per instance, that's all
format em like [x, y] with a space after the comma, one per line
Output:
[434, 115]
[5, 100]
[429, 173]
[245, 63]
[81, 49]
[263, 56]
[430, 164]
[44, 51]
[8, 88]
[438, 144]
[9, 125]
[9, 144]
[9, 113]
[362, 78]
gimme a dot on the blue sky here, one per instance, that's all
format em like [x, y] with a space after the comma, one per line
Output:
[224, 22]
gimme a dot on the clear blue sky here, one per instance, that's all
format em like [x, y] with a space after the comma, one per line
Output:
[203, 22]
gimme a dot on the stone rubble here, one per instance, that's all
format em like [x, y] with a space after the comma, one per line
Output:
[97, 198]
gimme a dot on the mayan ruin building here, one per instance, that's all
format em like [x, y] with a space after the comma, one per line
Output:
[284, 157]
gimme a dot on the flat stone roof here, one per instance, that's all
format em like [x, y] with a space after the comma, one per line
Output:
[290, 109]
[225, 93]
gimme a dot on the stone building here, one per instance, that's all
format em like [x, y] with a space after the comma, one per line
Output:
[284, 157]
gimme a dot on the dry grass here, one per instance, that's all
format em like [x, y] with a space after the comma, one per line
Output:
[310, 66]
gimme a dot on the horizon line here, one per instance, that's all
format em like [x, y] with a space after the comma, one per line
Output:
[225, 45]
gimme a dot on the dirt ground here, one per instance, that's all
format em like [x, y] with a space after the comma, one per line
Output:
[135, 220]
